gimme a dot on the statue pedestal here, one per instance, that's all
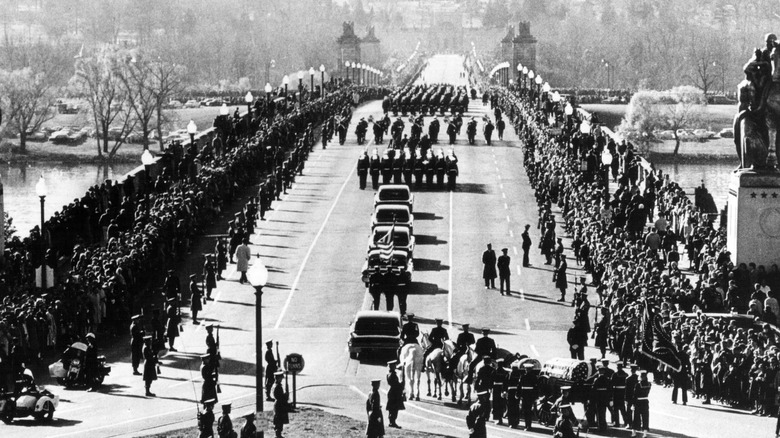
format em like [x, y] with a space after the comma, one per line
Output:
[753, 232]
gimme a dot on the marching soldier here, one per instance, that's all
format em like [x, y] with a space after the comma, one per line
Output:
[172, 286]
[436, 338]
[395, 394]
[488, 131]
[419, 171]
[513, 396]
[210, 377]
[225, 424]
[137, 335]
[471, 130]
[387, 169]
[212, 346]
[362, 169]
[619, 395]
[408, 168]
[631, 382]
[206, 419]
[271, 367]
[410, 331]
[528, 383]
[477, 416]
[500, 377]
[398, 166]
[602, 389]
[248, 430]
[375, 427]
[484, 381]
[452, 131]
[172, 327]
[281, 407]
[375, 166]
[641, 405]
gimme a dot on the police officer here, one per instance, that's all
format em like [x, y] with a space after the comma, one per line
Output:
[500, 377]
[528, 392]
[436, 338]
[225, 424]
[641, 405]
[602, 395]
[271, 367]
[137, 335]
[410, 331]
[206, 419]
[619, 395]
[363, 165]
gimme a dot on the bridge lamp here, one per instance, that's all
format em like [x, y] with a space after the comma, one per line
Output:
[568, 110]
[268, 90]
[192, 129]
[311, 77]
[300, 81]
[322, 79]
[248, 99]
[286, 82]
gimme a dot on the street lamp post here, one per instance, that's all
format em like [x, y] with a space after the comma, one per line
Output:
[268, 88]
[524, 76]
[192, 129]
[311, 76]
[519, 73]
[42, 191]
[300, 82]
[606, 160]
[286, 82]
[147, 159]
[249, 99]
[348, 64]
[322, 80]
[258, 277]
[538, 81]
[271, 64]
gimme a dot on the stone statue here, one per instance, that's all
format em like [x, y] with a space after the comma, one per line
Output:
[750, 133]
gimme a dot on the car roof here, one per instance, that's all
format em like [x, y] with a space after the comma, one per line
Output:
[392, 207]
[386, 228]
[382, 314]
[394, 187]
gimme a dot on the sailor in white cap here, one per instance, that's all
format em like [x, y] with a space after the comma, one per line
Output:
[225, 424]
[475, 419]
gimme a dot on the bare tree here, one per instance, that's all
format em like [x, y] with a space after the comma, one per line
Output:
[135, 76]
[27, 98]
[98, 79]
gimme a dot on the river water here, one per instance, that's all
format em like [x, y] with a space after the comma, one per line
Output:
[715, 175]
[64, 183]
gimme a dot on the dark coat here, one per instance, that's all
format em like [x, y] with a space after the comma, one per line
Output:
[281, 408]
[150, 364]
[475, 420]
[560, 276]
[375, 428]
[395, 399]
[489, 260]
[503, 265]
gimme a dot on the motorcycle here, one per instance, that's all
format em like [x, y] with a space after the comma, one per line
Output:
[70, 370]
[29, 401]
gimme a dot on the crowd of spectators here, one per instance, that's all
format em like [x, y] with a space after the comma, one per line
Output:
[634, 244]
[110, 247]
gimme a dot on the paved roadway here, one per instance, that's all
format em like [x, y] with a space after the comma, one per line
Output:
[313, 244]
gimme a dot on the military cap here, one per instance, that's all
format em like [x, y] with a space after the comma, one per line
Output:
[148, 338]
[644, 372]
[486, 357]
[605, 361]
[482, 393]
[392, 363]
[205, 356]
[409, 315]
[485, 330]
[249, 414]
[171, 300]
[500, 360]
[269, 342]
[193, 276]
[439, 320]
[619, 363]
[171, 271]
[504, 249]
[528, 365]
[226, 405]
[90, 335]
[376, 382]
[209, 326]
[465, 326]
[565, 388]
[603, 368]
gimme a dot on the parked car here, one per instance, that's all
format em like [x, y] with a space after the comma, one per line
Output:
[394, 194]
[375, 331]
[388, 214]
[396, 270]
[36, 136]
[726, 133]
[192, 104]
[720, 100]
[703, 134]
[173, 104]
[402, 238]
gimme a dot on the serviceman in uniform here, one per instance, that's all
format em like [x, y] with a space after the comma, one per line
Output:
[206, 419]
[526, 246]
[410, 331]
[196, 303]
[483, 381]
[436, 338]
[528, 392]
[375, 427]
[271, 367]
[631, 382]
[500, 377]
[281, 405]
[363, 165]
[150, 365]
[212, 346]
[504, 271]
[488, 131]
[485, 346]
[210, 377]
[174, 319]
[619, 395]
[395, 394]
[225, 424]
[137, 335]
[602, 388]
[477, 416]
[641, 405]
[513, 396]
[249, 430]
[462, 344]
[375, 166]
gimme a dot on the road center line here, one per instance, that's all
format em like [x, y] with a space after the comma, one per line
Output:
[311, 248]
[514, 248]
[506, 207]
[527, 325]
[536, 352]
[511, 233]
[507, 218]
[503, 195]
[449, 271]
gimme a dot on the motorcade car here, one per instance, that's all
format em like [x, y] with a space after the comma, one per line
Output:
[394, 194]
[403, 239]
[395, 270]
[29, 400]
[389, 214]
[69, 371]
[374, 331]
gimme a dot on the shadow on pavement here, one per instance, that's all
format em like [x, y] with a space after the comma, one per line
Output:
[56, 422]
[423, 239]
[427, 216]
[471, 188]
[237, 304]
[429, 265]
[417, 288]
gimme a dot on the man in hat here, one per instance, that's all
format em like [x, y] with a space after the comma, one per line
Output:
[410, 331]
[564, 426]
[631, 382]
[528, 392]
[484, 381]
[485, 346]
[504, 271]
[210, 379]
[174, 319]
[271, 367]
[500, 377]
[91, 362]
[489, 267]
[526, 246]
[248, 430]
[137, 335]
[436, 338]
[618, 383]
[281, 407]
[375, 427]
[197, 295]
[513, 395]
[150, 365]
[206, 419]
[602, 397]
[395, 394]
[477, 416]
[462, 344]
[225, 424]
[172, 286]
[641, 404]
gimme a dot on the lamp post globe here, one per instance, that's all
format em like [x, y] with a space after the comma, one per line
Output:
[322, 80]
[249, 99]
[192, 129]
[268, 88]
[223, 110]
[286, 82]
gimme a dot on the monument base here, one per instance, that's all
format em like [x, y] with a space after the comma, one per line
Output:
[753, 231]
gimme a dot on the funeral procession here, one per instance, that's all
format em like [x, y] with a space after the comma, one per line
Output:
[390, 218]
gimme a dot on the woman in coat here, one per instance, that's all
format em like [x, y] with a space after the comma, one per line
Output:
[602, 332]
[150, 365]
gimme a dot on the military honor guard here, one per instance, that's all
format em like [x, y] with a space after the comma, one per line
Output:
[281, 405]
[206, 419]
[376, 425]
[225, 424]
[249, 430]
[477, 415]
[641, 405]
[271, 366]
[150, 365]
[395, 394]
[137, 335]
[210, 377]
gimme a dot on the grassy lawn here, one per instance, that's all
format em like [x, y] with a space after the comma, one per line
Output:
[87, 151]
[310, 423]
[716, 117]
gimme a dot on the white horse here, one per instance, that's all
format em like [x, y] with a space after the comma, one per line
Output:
[411, 360]
[436, 362]
[461, 372]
